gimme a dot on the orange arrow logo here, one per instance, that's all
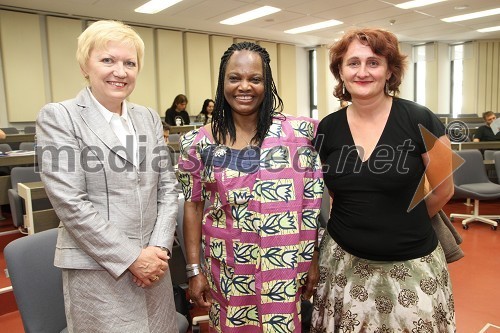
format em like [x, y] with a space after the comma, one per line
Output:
[439, 154]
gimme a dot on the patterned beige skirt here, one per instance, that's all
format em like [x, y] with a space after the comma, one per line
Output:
[359, 295]
[96, 302]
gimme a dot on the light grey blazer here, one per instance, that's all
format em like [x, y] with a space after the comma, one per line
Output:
[109, 208]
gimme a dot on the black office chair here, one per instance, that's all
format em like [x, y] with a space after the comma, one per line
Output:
[471, 181]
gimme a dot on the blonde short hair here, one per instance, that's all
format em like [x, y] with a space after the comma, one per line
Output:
[99, 33]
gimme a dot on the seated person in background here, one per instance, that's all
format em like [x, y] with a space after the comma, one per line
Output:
[2, 134]
[177, 115]
[205, 115]
[484, 132]
[166, 131]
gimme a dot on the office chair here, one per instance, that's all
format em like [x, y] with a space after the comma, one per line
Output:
[29, 129]
[17, 208]
[488, 154]
[37, 283]
[174, 137]
[492, 174]
[5, 147]
[496, 161]
[27, 146]
[10, 130]
[471, 181]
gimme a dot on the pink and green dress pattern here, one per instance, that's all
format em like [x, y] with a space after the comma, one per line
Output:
[261, 224]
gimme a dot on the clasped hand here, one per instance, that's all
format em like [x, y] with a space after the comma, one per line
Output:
[149, 267]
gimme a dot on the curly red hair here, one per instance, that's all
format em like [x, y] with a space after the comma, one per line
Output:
[382, 43]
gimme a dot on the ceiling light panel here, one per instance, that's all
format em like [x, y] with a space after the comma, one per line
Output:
[490, 29]
[315, 26]
[155, 6]
[251, 15]
[417, 3]
[471, 16]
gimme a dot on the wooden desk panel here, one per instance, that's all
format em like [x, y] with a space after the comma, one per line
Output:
[471, 120]
[13, 160]
[4, 187]
[36, 221]
[181, 129]
[36, 190]
[44, 220]
[18, 138]
[475, 145]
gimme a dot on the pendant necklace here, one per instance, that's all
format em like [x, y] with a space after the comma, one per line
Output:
[221, 150]
[247, 141]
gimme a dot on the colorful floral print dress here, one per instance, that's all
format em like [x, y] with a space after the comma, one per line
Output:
[260, 227]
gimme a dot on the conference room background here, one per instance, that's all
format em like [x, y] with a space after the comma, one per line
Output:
[37, 66]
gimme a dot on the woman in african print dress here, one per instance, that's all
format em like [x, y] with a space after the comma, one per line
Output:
[262, 178]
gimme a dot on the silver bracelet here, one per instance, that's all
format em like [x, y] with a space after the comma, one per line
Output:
[192, 266]
[192, 270]
[192, 273]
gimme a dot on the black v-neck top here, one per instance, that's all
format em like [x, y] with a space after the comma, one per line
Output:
[370, 217]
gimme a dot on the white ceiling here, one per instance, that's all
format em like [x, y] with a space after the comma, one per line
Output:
[411, 25]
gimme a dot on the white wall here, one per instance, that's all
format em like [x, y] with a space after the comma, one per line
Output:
[25, 84]
[406, 87]
[172, 67]
[42, 65]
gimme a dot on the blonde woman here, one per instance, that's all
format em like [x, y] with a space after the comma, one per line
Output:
[117, 206]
